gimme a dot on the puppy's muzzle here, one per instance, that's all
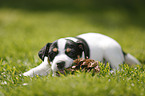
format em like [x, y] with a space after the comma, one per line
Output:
[60, 65]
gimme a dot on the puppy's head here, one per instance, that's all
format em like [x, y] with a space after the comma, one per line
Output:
[61, 53]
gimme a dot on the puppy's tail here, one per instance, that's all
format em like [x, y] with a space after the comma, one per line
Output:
[131, 60]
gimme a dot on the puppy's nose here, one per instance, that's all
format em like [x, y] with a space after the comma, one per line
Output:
[60, 65]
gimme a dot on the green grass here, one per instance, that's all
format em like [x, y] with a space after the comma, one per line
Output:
[25, 30]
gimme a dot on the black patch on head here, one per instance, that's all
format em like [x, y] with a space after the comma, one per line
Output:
[51, 53]
[44, 51]
[75, 50]
[84, 46]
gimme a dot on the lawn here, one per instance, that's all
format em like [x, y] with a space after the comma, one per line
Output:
[25, 27]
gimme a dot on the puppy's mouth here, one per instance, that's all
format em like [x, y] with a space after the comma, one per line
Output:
[86, 65]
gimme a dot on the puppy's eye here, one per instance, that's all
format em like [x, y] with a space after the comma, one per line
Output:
[52, 53]
[68, 50]
[54, 49]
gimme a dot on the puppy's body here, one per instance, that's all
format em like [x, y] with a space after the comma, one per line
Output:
[62, 52]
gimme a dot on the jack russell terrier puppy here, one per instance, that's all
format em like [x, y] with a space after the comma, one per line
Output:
[61, 53]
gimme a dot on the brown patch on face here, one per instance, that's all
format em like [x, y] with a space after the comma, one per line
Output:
[55, 49]
[68, 50]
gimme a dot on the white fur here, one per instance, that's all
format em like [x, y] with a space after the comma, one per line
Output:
[101, 47]
[61, 56]
[42, 69]
[72, 38]
[104, 47]
[129, 59]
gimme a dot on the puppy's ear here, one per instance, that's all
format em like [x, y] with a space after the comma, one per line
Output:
[83, 46]
[44, 51]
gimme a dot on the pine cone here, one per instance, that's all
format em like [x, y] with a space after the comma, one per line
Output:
[86, 65]
[82, 64]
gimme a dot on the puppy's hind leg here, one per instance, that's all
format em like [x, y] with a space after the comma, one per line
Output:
[114, 57]
[43, 69]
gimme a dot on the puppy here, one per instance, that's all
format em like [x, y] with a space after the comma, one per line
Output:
[60, 54]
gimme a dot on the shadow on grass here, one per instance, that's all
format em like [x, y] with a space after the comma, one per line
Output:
[107, 13]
